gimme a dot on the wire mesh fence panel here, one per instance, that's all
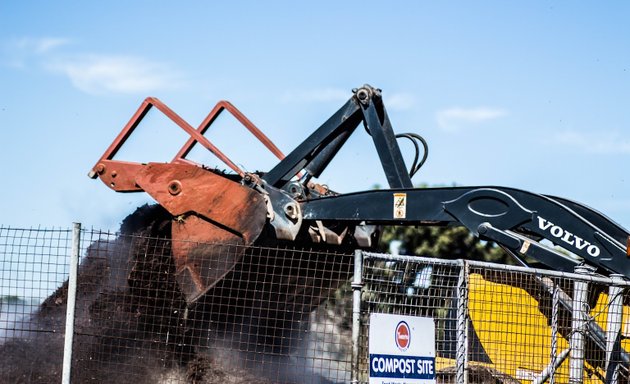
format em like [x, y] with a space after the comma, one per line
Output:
[412, 287]
[521, 325]
[276, 314]
[537, 327]
[33, 263]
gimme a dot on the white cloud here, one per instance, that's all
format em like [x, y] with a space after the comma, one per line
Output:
[23, 52]
[399, 101]
[39, 45]
[600, 142]
[97, 74]
[90, 73]
[47, 44]
[321, 95]
[454, 119]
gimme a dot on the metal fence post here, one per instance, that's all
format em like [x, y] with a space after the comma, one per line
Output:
[70, 305]
[579, 325]
[461, 356]
[613, 329]
[357, 285]
[554, 332]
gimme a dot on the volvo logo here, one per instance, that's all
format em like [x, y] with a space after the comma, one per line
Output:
[568, 237]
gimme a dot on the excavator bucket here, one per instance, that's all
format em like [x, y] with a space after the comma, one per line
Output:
[209, 209]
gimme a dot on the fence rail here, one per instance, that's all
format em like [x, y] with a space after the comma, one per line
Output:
[292, 315]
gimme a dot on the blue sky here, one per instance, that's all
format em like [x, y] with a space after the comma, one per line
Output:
[532, 95]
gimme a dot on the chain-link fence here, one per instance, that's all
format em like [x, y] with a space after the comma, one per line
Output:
[286, 315]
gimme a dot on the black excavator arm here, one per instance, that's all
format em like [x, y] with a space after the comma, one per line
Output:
[517, 220]
[211, 207]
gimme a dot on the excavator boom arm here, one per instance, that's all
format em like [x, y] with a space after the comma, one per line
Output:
[515, 219]
[209, 206]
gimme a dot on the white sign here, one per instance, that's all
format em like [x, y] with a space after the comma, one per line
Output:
[402, 349]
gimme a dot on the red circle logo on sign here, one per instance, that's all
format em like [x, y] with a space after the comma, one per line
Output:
[403, 336]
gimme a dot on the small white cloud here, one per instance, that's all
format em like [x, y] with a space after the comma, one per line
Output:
[39, 45]
[598, 143]
[399, 101]
[454, 119]
[97, 74]
[321, 95]
[22, 52]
